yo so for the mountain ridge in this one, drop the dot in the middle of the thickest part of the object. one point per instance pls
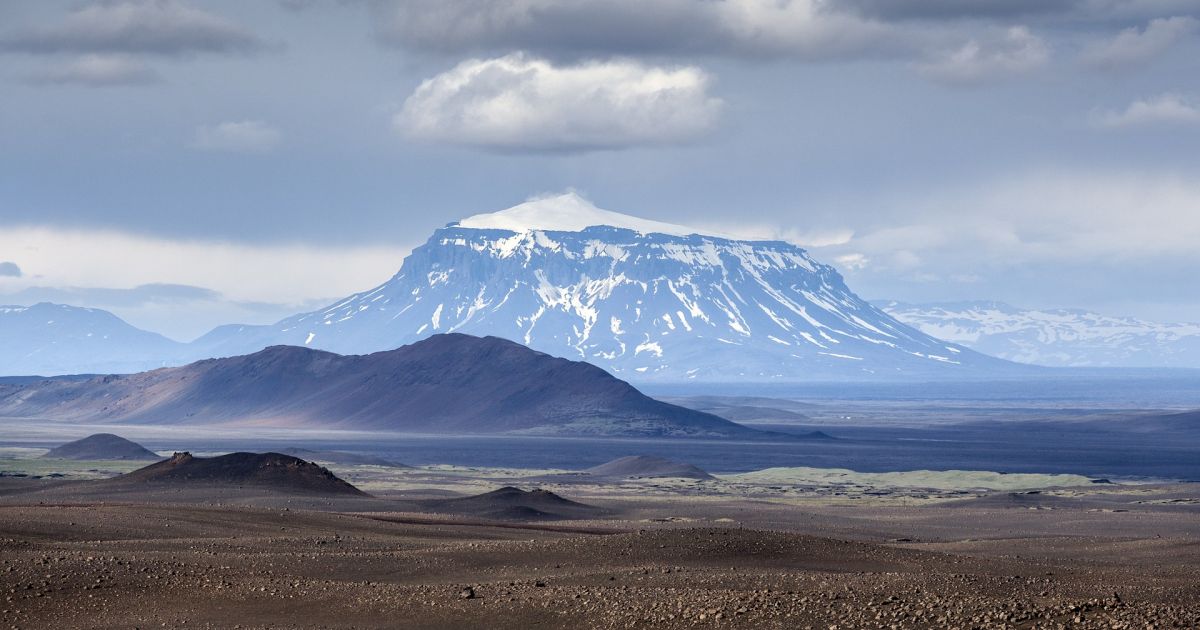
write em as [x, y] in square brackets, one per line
[1062, 337]
[446, 384]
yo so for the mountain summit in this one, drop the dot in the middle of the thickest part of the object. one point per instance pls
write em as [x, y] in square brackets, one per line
[643, 299]
[567, 212]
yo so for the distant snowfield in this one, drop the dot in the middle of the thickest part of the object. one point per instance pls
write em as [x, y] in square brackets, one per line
[1056, 337]
[568, 212]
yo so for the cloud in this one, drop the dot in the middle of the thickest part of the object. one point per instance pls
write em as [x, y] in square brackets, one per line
[522, 103]
[247, 136]
[240, 278]
[104, 297]
[162, 27]
[9, 270]
[1017, 51]
[1167, 109]
[960, 9]
[1134, 47]
[853, 261]
[98, 71]
[807, 29]
[1070, 12]
[297, 5]
[1050, 218]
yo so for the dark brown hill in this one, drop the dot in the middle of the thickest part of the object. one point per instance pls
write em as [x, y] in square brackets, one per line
[273, 471]
[509, 503]
[101, 446]
[446, 384]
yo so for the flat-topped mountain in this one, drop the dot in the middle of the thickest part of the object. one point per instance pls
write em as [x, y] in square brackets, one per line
[446, 384]
[649, 467]
[268, 470]
[647, 301]
[101, 446]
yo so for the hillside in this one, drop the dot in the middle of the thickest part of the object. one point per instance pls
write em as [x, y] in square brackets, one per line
[54, 339]
[446, 384]
[267, 470]
[101, 446]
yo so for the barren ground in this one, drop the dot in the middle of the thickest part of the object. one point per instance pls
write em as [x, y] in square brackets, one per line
[673, 556]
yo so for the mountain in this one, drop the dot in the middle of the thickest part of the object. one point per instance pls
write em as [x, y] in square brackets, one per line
[1056, 337]
[269, 470]
[446, 384]
[101, 446]
[54, 339]
[647, 301]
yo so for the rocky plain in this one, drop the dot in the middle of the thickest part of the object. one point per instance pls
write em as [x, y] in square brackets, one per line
[446, 547]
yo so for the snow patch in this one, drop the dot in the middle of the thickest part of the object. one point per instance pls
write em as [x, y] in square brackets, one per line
[567, 212]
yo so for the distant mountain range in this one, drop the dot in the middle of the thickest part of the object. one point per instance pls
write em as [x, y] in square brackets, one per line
[1055, 337]
[650, 302]
[60, 339]
[445, 384]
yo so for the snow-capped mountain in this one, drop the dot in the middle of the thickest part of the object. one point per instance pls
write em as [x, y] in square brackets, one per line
[1058, 337]
[51, 339]
[643, 299]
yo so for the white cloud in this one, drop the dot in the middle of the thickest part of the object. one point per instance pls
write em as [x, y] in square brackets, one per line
[98, 71]
[1017, 51]
[165, 27]
[522, 103]
[1167, 109]
[853, 261]
[242, 274]
[247, 136]
[807, 29]
[816, 237]
[1133, 46]
[1100, 218]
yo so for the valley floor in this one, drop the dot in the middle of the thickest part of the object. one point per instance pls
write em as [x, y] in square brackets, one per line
[1099, 557]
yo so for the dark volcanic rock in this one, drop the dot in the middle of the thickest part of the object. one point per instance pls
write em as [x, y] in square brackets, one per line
[269, 470]
[646, 466]
[449, 384]
[101, 446]
[514, 504]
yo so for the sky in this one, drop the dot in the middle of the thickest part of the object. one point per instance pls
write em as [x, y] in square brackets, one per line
[186, 164]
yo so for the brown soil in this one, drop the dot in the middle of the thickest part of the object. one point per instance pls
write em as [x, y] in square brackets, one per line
[94, 564]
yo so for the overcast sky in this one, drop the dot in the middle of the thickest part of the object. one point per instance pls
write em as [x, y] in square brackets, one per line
[186, 164]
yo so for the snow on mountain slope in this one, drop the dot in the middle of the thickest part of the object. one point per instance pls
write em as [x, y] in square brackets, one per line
[645, 300]
[1058, 337]
[566, 213]
[51, 339]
